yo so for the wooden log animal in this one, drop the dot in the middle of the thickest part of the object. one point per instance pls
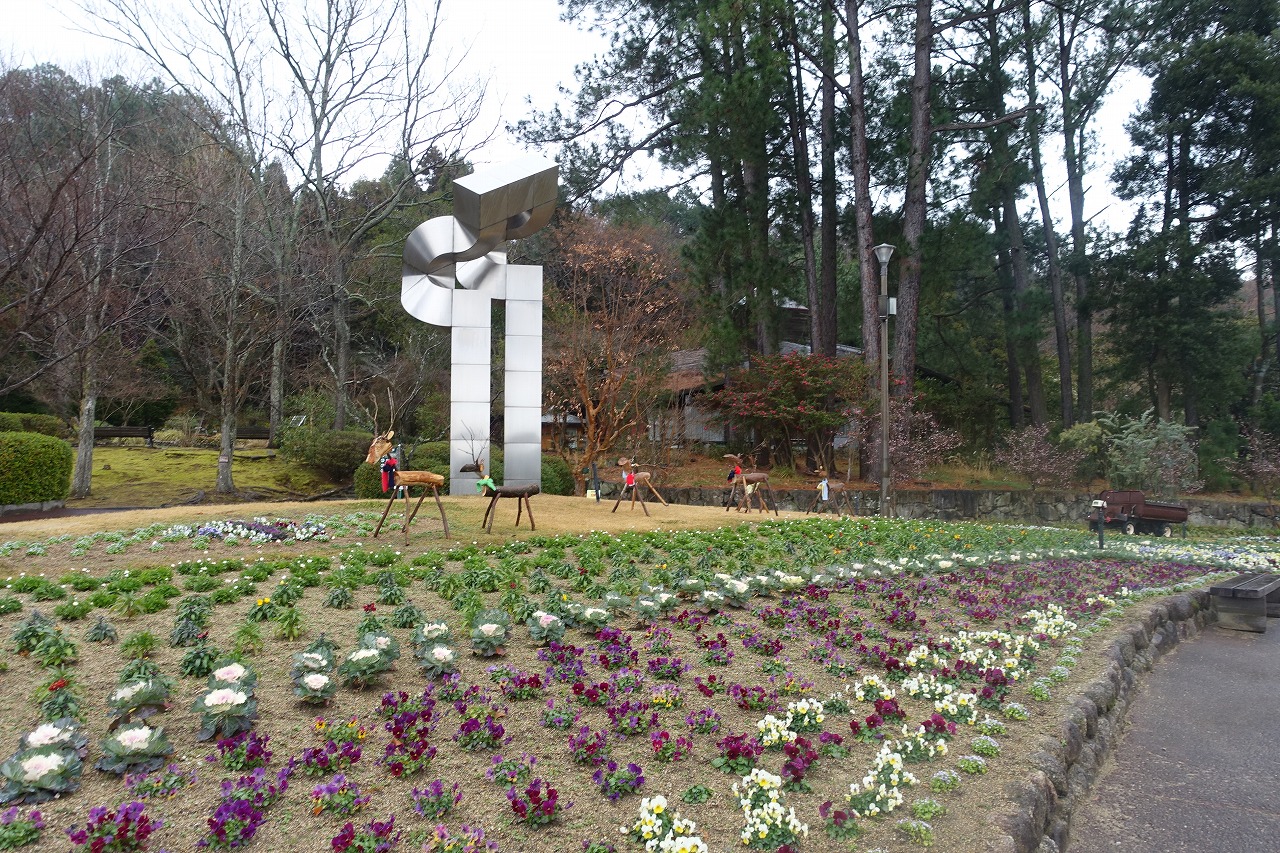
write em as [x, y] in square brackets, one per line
[754, 485]
[633, 482]
[381, 447]
[834, 493]
[495, 493]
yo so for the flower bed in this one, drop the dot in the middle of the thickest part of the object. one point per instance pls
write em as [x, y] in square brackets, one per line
[838, 622]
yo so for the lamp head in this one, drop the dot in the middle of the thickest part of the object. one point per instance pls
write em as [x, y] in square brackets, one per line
[883, 252]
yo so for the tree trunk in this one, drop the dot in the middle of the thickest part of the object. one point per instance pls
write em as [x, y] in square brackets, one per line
[829, 189]
[819, 311]
[230, 384]
[1078, 264]
[1025, 333]
[914, 206]
[1013, 368]
[1061, 337]
[861, 167]
[82, 478]
[341, 356]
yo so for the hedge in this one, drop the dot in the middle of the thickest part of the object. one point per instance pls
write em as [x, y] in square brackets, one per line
[30, 422]
[34, 468]
[335, 453]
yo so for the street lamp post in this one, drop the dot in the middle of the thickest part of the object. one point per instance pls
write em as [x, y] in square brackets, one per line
[884, 252]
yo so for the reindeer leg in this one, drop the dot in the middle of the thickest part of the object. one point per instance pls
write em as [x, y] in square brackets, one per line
[659, 494]
[408, 517]
[440, 507]
[773, 497]
[621, 495]
[417, 506]
[636, 493]
[733, 490]
[519, 509]
[529, 509]
[491, 513]
[378, 529]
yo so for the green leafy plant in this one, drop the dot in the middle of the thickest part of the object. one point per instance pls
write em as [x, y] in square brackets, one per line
[140, 644]
[289, 624]
[101, 631]
[247, 639]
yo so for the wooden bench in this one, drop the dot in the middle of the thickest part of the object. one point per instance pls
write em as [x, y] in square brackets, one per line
[125, 432]
[1245, 601]
[253, 433]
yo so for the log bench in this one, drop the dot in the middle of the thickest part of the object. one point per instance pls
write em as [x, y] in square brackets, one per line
[253, 433]
[125, 432]
[1245, 601]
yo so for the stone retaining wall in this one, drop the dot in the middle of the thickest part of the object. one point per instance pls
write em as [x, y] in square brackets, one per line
[36, 507]
[1037, 818]
[976, 505]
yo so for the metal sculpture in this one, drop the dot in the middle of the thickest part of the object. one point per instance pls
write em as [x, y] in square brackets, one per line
[452, 273]
[831, 492]
[632, 482]
[394, 478]
[753, 484]
[494, 493]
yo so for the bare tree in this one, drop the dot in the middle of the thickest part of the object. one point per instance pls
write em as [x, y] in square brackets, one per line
[613, 312]
[322, 91]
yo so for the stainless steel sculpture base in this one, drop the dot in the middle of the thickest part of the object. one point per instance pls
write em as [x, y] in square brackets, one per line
[453, 273]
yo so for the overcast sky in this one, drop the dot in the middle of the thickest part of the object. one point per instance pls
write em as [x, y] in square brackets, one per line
[525, 51]
[522, 46]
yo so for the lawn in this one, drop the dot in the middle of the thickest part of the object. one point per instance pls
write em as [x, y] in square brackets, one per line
[689, 639]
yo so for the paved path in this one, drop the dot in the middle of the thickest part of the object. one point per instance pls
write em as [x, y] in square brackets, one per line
[1198, 767]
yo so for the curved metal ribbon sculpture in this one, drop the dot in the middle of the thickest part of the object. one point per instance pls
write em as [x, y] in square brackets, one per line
[453, 271]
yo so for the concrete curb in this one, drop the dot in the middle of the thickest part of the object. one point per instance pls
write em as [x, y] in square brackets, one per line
[1037, 817]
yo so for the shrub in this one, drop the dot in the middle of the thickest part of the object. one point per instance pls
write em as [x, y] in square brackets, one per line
[557, 479]
[29, 422]
[33, 468]
[338, 453]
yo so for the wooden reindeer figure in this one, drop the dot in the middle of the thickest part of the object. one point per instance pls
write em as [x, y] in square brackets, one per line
[381, 447]
[494, 492]
[753, 484]
[832, 492]
[633, 481]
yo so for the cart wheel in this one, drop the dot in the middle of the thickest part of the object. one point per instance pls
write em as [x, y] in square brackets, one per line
[1129, 529]
[1166, 530]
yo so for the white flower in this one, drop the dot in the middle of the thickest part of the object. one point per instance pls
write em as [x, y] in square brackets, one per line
[546, 620]
[134, 738]
[38, 765]
[315, 681]
[314, 660]
[442, 654]
[232, 672]
[124, 694]
[382, 642]
[46, 734]
[490, 629]
[362, 654]
[224, 698]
